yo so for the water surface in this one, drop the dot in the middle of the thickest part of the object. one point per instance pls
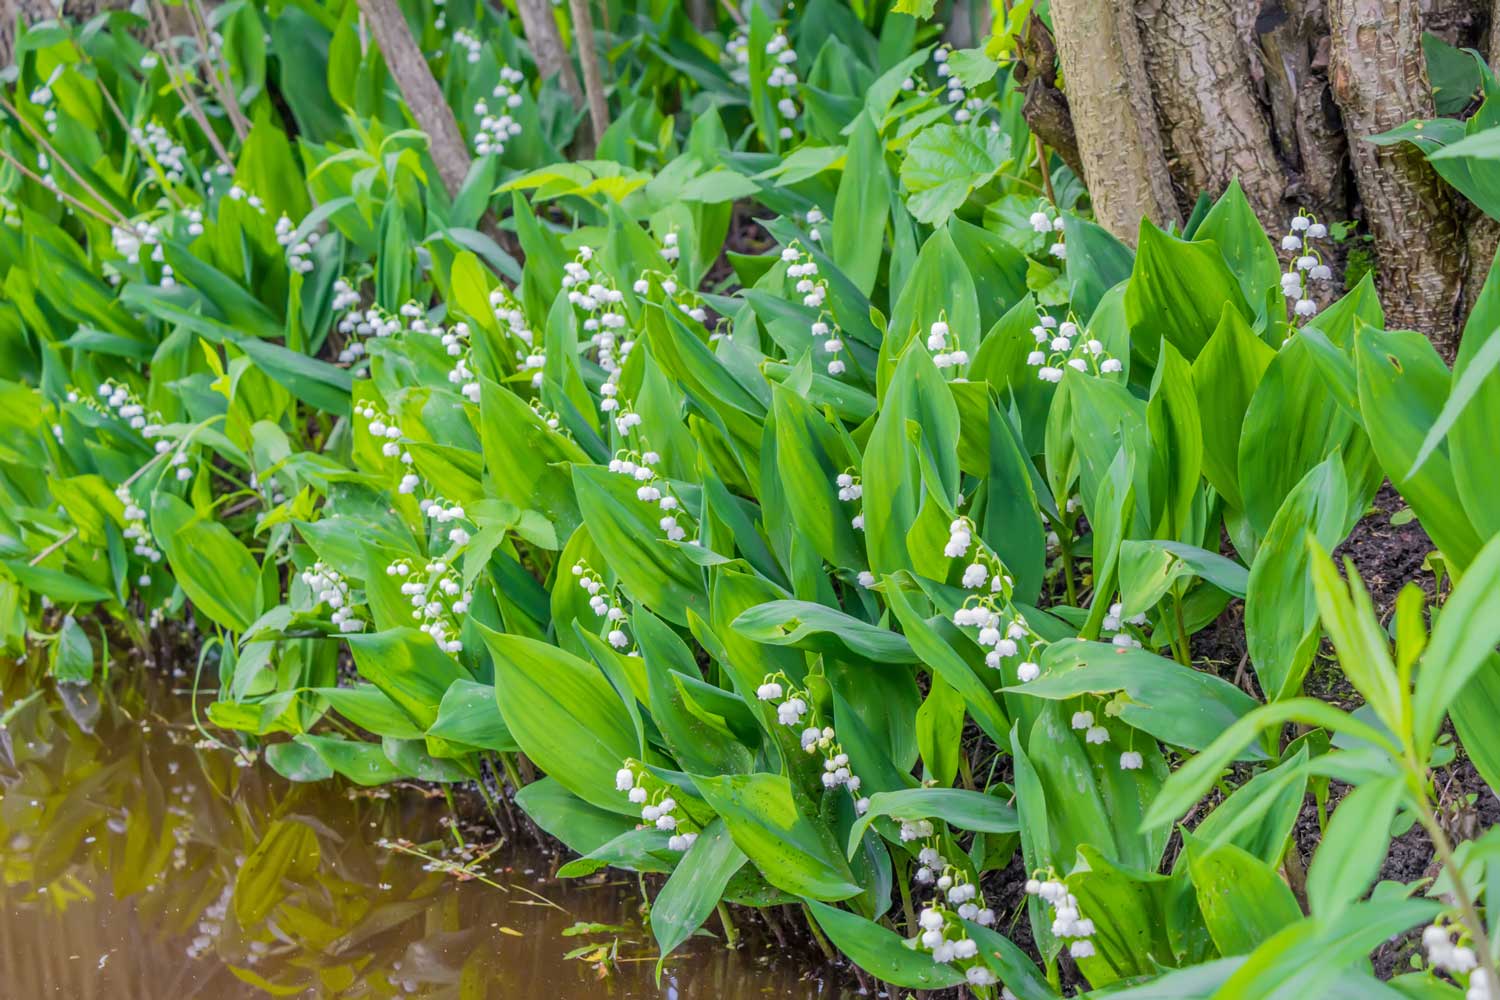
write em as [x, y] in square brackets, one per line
[138, 860]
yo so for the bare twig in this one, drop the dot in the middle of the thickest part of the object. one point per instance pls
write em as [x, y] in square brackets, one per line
[54, 157]
[178, 78]
[218, 72]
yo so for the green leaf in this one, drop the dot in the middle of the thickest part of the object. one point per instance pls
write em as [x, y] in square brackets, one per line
[805, 625]
[71, 656]
[564, 715]
[882, 953]
[655, 572]
[696, 885]
[470, 717]
[1402, 386]
[944, 661]
[792, 851]
[1178, 290]
[962, 809]
[944, 164]
[1242, 898]
[1463, 641]
[1353, 847]
[811, 456]
[861, 209]
[214, 569]
[1233, 226]
[1225, 376]
[1175, 704]
[1281, 616]
[407, 665]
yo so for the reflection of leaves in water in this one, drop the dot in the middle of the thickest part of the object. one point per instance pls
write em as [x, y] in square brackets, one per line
[207, 851]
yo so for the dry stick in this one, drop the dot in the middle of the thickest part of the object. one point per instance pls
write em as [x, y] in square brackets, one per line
[54, 157]
[61, 195]
[130, 133]
[1041, 159]
[423, 95]
[218, 72]
[734, 12]
[178, 77]
[593, 83]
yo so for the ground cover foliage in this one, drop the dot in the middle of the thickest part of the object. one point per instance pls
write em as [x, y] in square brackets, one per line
[786, 485]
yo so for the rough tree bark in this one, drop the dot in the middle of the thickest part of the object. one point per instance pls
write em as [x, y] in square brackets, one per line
[1213, 123]
[1282, 94]
[1118, 141]
[420, 89]
[1046, 107]
[1380, 80]
[540, 25]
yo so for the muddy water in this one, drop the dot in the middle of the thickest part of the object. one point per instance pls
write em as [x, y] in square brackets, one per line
[136, 862]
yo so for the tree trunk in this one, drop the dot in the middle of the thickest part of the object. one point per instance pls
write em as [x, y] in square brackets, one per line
[1307, 131]
[1379, 78]
[540, 25]
[1118, 142]
[1282, 94]
[593, 83]
[1212, 122]
[423, 95]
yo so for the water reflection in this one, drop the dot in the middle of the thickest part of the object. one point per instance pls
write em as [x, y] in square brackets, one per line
[135, 862]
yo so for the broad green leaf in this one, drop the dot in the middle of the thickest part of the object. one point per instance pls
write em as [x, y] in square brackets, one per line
[1178, 290]
[962, 809]
[1354, 845]
[407, 665]
[793, 851]
[1281, 616]
[1175, 704]
[214, 569]
[696, 885]
[882, 953]
[1242, 898]
[565, 717]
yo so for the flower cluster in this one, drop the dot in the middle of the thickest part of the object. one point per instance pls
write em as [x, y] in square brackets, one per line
[783, 80]
[651, 488]
[473, 47]
[658, 808]
[169, 154]
[496, 129]
[966, 106]
[1114, 622]
[136, 531]
[851, 490]
[329, 587]
[602, 600]
[1002, 630]
[382, 429]
[43, 98]
[453, 514]
[437, 597]
[1041, 222]
[1062, 347]
[1307, 263]
[944, 347]
[298, 251]
[815, 218]
[940, 928]
[1067, 921]
[603, 309]
[792, 708]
